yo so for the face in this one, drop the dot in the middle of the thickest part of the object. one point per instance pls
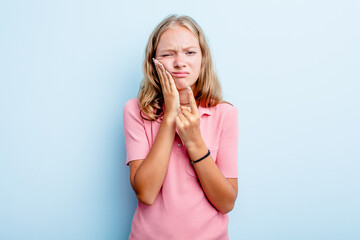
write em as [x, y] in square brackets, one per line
[180, 53]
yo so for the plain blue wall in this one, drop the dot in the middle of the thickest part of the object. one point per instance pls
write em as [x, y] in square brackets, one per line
[68, 67]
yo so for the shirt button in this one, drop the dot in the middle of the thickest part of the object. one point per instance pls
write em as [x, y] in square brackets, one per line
[179, 145]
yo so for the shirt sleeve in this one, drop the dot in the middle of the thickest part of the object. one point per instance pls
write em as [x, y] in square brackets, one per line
[136, 140]
[227, 155]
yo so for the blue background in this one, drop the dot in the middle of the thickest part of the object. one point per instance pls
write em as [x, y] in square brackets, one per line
[68, 67]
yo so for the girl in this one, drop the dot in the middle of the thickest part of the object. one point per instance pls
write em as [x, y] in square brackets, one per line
[181, 139]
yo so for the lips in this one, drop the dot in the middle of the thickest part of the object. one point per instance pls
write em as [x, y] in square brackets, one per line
[180, 74]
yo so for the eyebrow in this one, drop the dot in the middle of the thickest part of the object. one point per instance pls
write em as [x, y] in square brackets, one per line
[170, 49]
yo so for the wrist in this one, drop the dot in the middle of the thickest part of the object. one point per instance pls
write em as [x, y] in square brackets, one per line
[168, 121]
[202, 158]
[170, 115]
[196, 150]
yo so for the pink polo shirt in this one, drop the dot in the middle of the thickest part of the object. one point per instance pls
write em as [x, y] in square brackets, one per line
[181, 209]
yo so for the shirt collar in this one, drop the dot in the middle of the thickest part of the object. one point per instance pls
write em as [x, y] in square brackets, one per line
[204, 111]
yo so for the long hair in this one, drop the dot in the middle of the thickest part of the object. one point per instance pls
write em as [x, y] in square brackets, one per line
[207, 91]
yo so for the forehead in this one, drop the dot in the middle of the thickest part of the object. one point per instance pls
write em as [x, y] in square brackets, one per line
[177, 37]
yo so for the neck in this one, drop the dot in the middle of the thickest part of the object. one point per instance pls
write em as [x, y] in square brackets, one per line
[184, 97]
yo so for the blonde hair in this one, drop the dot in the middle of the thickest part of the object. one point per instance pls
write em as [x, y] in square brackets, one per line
[207, 89]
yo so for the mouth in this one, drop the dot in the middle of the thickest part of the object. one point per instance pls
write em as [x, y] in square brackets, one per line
[180, 74]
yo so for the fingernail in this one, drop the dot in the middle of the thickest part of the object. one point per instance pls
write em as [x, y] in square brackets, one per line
[153, 60]
[189, 88]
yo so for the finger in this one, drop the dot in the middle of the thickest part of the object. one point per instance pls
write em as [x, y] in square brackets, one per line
[182, 117]
[192, 101]
[161, 73]
[178, 122]
[171, 81]
[157, 67]
[165, 78]
[186, 113]
[168, 79]
[163, 70]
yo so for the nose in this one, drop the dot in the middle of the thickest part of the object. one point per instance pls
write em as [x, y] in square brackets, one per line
[179, 61]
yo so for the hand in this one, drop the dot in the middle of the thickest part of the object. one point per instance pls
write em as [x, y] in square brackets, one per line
[170, 93]
[188, 123]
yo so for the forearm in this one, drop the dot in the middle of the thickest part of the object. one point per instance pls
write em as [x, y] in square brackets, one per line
[150, 175]
[220, 191]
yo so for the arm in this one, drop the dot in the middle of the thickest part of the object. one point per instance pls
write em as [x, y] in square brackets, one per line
[220, 191]
[147, 175]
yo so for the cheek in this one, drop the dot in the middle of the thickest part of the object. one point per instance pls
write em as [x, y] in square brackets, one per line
[166, 63]
[197, 66]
